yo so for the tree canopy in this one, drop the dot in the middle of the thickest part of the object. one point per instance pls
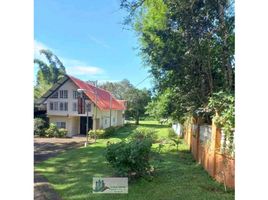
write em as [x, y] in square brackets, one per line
[137, 99]
[189, 47]
[48, 73]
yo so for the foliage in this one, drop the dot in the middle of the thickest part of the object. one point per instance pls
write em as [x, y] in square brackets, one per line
[142, 133]
[110, 131]
[102, 133]
[137, 99]
[160, 106]
[47, 74]
[62, 133]
[189, 47]
[95, 134]
[120, 89]
[39, 126]
[52, 130]
[130, 159]
[174, 138]
[222, 103]
[175, 168]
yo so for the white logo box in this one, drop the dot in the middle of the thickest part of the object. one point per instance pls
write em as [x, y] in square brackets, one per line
[110, 185]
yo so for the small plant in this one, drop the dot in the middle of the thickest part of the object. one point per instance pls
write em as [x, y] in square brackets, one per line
[174, 138]
[162, 143]
[39, 126]
[95, 134]
[52, 130]
[144, 133]
[130, 158]
[62, 132]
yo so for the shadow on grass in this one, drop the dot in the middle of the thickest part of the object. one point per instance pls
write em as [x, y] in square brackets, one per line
[176, 174]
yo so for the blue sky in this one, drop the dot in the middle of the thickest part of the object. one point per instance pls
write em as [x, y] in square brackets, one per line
[88, 37]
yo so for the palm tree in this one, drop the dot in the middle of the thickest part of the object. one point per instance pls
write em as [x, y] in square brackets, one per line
[47, 74]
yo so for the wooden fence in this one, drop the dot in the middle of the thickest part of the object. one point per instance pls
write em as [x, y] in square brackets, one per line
[205, 144]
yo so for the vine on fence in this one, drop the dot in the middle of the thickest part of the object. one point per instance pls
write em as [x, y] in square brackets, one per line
[222, 103]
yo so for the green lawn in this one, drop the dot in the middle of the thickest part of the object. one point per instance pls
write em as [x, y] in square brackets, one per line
[177, 174]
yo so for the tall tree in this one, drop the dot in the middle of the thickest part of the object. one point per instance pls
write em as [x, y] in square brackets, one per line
[119, 89]
[189, 46]
[137, 99]
[161, 106]
[48, 73]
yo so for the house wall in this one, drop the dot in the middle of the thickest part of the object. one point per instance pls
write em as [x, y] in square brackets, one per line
[75, 121]
[104, 118]
[72, 118]
[72, 123]
[120, 118]
[70, 86]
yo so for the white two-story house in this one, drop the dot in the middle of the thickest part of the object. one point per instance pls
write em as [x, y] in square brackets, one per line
[103, 110]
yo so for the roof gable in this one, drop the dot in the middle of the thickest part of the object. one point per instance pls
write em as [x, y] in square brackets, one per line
[99, 96]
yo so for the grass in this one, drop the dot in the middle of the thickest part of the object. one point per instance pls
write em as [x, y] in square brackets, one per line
[177, 174]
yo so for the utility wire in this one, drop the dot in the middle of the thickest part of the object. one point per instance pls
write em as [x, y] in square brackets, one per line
[142, 81]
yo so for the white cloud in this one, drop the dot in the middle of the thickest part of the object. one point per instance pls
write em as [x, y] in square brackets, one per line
[73, 66]
[85, 70]
[71, 62]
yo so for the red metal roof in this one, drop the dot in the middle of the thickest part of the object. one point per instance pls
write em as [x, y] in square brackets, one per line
[103, 96]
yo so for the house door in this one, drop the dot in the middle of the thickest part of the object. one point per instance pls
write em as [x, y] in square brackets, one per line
[83, 124]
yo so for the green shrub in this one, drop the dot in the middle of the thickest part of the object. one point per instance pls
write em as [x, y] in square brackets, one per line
[130, 158]
[52, 131]
[109, 131]
[92, 134]
[144, 133]
[39, 126]
[95, 134]
[62, 132]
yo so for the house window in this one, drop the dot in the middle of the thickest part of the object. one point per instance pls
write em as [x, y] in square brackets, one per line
[61, 106]
[61, 124]
[55, 95]
[55, 105]
[65, 106]
[89, 107]
[74, 107]
[51, 106]
[75, 94]
[113, 120]
[63, 94]
[105, 121]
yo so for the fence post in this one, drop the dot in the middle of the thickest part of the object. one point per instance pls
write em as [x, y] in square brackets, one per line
[198, 140]
[215, 144]
[189, 134]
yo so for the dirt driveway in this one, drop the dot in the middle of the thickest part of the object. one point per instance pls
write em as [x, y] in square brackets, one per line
[45, 148]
